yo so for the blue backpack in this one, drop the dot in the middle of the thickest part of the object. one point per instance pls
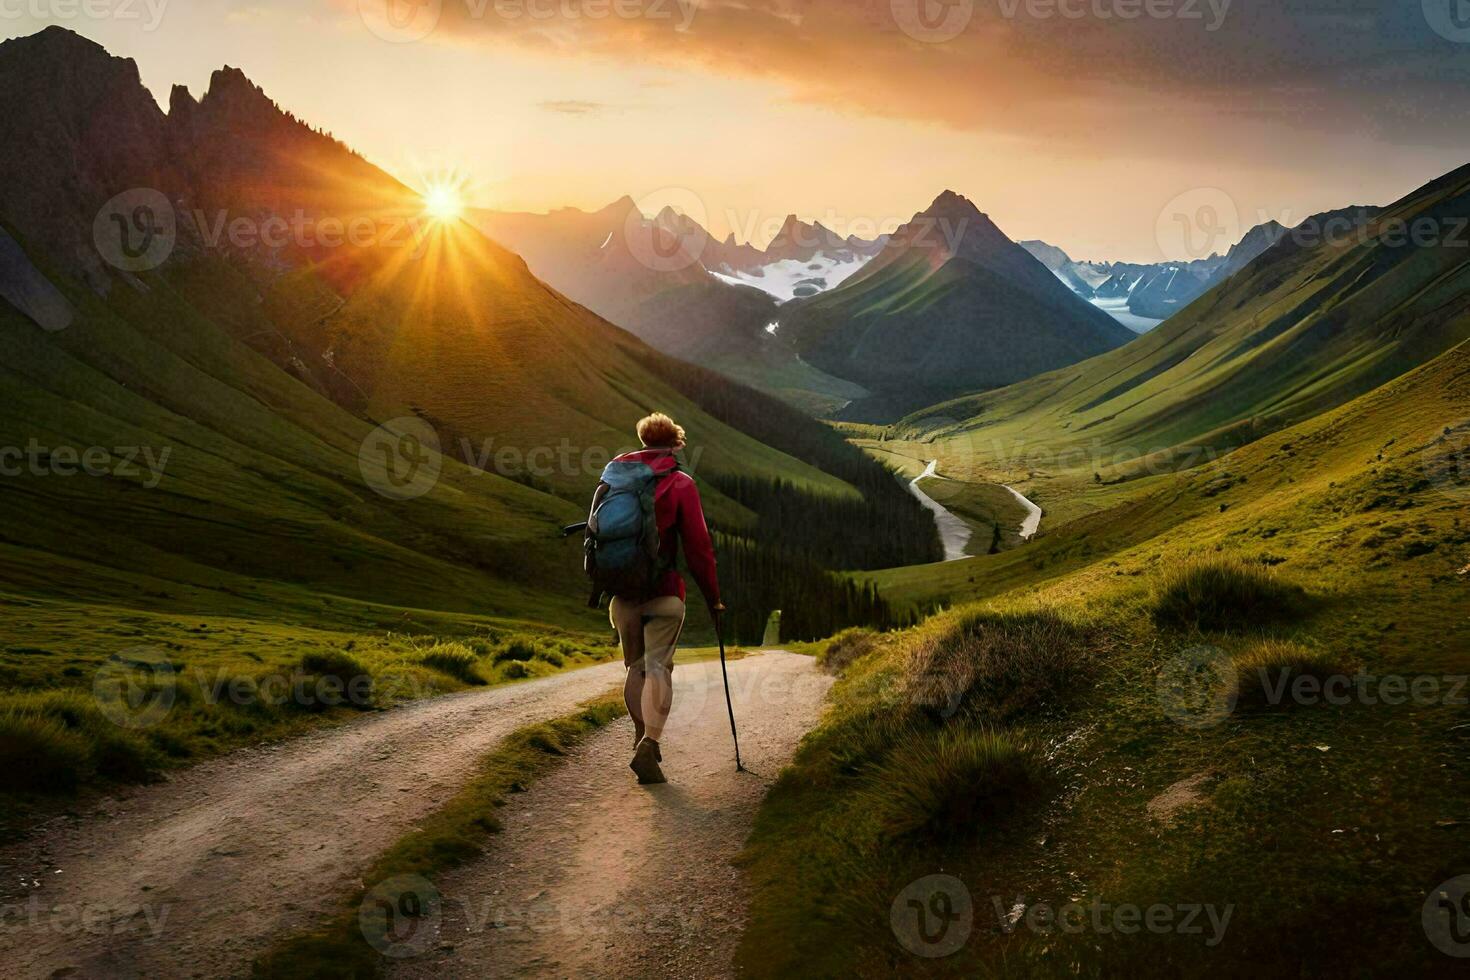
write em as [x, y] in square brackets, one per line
[622, 542]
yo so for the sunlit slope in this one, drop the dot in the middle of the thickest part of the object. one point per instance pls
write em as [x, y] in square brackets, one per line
[262, 487]
[1302, 329]
[1368, 500]
[466, 337]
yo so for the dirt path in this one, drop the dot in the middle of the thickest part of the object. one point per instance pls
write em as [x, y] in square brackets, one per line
[193, 877]
[595, 876]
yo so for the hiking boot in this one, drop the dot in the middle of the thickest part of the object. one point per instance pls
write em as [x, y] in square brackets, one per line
[645, 762]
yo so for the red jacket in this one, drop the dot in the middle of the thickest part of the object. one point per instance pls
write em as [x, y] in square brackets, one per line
[680, 515]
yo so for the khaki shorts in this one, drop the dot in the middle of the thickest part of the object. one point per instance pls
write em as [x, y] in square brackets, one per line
[649, 631]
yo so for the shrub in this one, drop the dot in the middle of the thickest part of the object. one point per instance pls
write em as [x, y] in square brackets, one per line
[1000, 665]
[953, 785]
[847, 646]
[515, 670]
[51, 741]
[517, 648]
[39, 754]
[329, 678]
[454, 659]
[1266, 670]
[1220, 594]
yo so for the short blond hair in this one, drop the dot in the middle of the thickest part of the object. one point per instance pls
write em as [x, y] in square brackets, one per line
[658, 431]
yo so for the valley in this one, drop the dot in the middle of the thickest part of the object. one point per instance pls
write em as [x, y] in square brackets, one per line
[1049, 589]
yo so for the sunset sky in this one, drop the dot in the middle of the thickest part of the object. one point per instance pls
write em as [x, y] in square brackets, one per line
[1066, 120]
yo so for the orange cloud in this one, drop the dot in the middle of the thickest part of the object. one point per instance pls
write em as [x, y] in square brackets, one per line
[1179, 76]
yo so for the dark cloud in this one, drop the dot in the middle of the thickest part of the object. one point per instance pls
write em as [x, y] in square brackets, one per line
[1065, 70]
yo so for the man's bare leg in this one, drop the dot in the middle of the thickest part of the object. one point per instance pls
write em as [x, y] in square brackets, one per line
[628, 621]
[633, 698]
[658, 700]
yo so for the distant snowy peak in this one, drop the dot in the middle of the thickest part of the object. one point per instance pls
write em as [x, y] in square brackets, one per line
[788, 279]
[1143, 293]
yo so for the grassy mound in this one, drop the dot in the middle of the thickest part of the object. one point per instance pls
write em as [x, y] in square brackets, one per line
[1000, 665]
[1224, 594]
[1267, 670]
[937, 790]
[332, 678]
[55, 741]
[456, 660]
[846, 647]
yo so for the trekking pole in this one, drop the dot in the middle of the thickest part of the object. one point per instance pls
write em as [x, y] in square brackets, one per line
[720, 635]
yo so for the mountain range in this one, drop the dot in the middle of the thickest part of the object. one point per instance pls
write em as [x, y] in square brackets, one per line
[1141, 294]
[949, 305]
[687, 293]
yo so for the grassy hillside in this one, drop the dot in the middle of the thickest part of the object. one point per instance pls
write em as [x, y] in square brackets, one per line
[1314, 322]
[1090, 725]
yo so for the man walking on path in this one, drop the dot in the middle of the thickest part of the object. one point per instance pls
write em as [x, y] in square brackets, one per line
[649, 630]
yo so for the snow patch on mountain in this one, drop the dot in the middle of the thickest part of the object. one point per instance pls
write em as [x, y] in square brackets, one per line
[790, 279]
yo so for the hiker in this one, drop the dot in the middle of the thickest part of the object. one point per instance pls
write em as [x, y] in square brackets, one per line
[647, 609]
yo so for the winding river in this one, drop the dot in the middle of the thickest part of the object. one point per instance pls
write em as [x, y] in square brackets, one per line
[954, 533]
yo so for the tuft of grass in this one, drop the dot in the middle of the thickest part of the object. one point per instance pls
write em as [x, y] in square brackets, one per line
[330, 678]
[518, 649]
[847, 646]
[53, 741]
[454, 659]
[1224, 594]
[452, 835]
[40, 755]
[952, 787]
[1267, 669]
[1001, 666]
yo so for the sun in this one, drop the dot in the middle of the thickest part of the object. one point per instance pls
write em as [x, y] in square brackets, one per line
[443, 203]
